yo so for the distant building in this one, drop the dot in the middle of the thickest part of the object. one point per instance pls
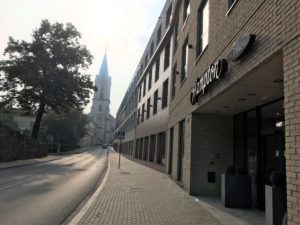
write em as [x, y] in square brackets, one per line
[100, 112]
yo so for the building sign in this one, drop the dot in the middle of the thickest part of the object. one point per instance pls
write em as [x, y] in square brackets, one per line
[242, 46]
[214, 72]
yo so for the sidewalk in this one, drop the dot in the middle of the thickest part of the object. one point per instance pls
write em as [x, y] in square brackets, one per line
[139, 195]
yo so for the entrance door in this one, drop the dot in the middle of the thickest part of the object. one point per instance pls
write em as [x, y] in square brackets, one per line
[180, 150]
[271, 159]
[171, 151]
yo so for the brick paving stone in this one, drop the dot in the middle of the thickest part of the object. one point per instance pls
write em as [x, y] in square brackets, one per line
[139, 195]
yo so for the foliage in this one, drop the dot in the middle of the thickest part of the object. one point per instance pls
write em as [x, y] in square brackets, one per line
[65, 128]
[7, 119]
[46, 73]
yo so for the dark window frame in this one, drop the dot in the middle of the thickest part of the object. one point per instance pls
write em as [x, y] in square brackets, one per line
[200, 47]
[148, 107]
[157, 68]
[174, 74]
[165, 93]
[184, 60]
[167, 55]
[155, 101]
[150, 79]
[186, 9]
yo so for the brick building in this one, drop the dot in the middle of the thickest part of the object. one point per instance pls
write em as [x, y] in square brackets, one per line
[234, 96]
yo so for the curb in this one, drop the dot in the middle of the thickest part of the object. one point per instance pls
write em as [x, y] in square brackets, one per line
[92, 199]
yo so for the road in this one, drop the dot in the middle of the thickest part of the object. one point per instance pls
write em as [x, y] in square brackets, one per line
[46, 193]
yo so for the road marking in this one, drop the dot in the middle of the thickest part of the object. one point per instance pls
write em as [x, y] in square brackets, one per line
[85, 208]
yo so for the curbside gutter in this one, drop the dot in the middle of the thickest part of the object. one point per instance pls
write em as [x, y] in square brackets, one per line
[87, 205]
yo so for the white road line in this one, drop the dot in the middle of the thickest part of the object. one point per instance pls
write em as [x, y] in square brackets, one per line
[85, 208]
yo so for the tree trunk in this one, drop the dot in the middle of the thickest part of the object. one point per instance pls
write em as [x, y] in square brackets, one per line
[38, 119]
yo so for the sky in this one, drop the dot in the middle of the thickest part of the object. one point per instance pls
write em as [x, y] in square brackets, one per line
[123, 27]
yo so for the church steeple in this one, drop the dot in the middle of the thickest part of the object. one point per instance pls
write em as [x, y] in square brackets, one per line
[104, 67]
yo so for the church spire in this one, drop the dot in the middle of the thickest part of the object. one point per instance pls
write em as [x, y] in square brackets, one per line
[104, 67]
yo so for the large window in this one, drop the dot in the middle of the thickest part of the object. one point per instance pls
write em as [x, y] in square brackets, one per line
[203, 27]
[148, 107]
[138, 116]
[157, 69]
[158, 34]
[155, 102]
[143, 113]
[174, 73]
[167, 56]
[165, 94]
[140, 93]
[150, 79]
[187, 9]
[230, 3]
[168, 15]
[184, 60]
[176, 36]
[144, 88]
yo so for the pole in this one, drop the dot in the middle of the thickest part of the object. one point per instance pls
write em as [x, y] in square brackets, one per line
[120, 154]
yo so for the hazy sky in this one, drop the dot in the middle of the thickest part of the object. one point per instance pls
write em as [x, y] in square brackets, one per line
[124, 26]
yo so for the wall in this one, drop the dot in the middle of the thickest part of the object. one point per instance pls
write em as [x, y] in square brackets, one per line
[14, 146]
[211, 151]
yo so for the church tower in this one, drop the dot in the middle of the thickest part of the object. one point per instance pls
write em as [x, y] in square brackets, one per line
[100, 108]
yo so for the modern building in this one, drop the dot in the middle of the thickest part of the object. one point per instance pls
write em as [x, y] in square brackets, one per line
[100, 112]
[143, 114]
[234, 100]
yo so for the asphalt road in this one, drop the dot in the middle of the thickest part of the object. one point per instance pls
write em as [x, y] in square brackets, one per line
[46, 193]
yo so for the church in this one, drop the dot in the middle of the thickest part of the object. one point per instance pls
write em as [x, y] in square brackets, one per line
[100, 112]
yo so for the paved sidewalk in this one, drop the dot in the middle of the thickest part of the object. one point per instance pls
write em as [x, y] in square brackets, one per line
[139, 195]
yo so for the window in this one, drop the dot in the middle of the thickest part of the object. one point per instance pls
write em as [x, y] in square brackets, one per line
[176, 36]
[231, 3]
[187, 9]
[184, 60]
[100, 108]
[146, 59]
[101, 95]
[158, 34]
[151, 49]
[144, 88]
[140, 93]
[167, 56]
[157, 69]
[168, 15]
[165, 94]
[150, 79]
[174, 73]
[155, 102]
[138, 116]
[148, 107]
[203, 27]
[143, 112]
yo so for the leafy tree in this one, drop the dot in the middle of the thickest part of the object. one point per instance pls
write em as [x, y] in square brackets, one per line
[66, 128]
[46, 73]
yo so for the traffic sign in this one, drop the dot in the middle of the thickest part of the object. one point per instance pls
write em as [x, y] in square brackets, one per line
[120, 135]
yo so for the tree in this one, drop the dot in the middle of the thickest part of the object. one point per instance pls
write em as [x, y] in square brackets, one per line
[46, 73]
[66, 128]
